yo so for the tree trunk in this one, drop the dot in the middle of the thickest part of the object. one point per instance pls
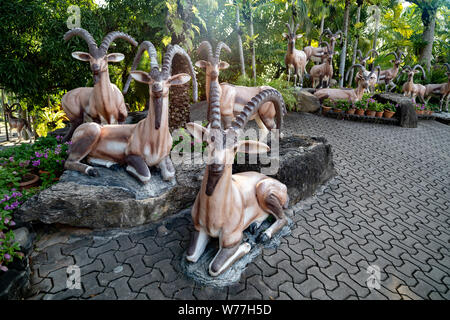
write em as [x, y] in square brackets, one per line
[344, 46]
[355, 45]
[322, 22]
[241, 51]
[377, 25]
[252, 43]
[429, 23]
[4, 115]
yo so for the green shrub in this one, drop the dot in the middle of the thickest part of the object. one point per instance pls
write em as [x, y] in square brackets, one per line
[390, 107]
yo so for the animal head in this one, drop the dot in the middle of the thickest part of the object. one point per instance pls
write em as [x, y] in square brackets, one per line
[363, 77]
[224, 144]
[291, 36]
[10, 109]
[332, 36]
[412, 71]
[328, 55]
[363, 59]
[212, 64]
[159, 80]
[98, 57]
[398, 57]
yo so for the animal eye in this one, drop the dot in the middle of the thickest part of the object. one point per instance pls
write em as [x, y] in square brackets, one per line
[213, 139]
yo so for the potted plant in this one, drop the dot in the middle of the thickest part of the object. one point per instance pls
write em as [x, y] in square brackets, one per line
[389, 110]
[429, 109]
[420, 108]
[339, 106]
[327, 106]
[371, 107]
[360, 107]
[379, 108]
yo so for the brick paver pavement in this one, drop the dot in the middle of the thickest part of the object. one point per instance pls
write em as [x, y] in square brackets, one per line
[388, 207]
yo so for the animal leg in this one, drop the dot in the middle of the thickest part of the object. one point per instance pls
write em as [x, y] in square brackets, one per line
[137, 167]
[167, 169]
[262, 127]
[199, 241]
[74, 124]
[225, 257]
[392, 85]
[289, 74]
[276, 209]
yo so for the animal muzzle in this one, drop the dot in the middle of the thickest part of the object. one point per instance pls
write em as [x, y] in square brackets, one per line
[158, 105]
[96, 73]
[215, 172]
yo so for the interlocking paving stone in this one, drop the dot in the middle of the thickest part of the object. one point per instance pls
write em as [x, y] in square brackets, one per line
[389, 206]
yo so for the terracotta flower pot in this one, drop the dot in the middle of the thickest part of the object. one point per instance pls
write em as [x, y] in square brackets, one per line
[325, 109]
[350, 111]
[419, 112]
[388, 114]
[370, 113]
[29, 180]
[360, 112]
[429, 112]
[337, 110]
[379, 114]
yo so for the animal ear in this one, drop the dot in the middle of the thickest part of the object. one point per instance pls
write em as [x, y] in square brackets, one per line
[298, 36]
[141, 76]
[197, 131]
[252, 147]
[201, 64]
[284, 34]
[223, 65]
[179, 79]
[82, 56]
[115, 57]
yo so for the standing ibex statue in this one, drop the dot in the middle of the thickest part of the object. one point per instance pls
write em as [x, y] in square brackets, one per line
[332, 36]
[229, 203]
[17, 123]
[363, 61]
[294, 58]
[142, 145]
[324, 71]
[387, 76]
[104, 102]
[441, 89]
[411, 89]
[232, 98]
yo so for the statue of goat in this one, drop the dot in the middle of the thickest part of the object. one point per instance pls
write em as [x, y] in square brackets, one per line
[411, 89]
[294, 58]
[17, 123]
[387, 76]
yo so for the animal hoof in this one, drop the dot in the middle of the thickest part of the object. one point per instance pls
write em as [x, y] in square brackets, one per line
[253, 227]
[92, 172]
[263, 238]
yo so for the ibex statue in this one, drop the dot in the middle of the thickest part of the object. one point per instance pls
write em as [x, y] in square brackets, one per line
[411, 89]
[387, 76]
[232, 98]
[294, 58]
[138, 146]
[332, 36]
[16, 123]
[441, 89]
[229, 203]
[363, 61]
[104, 102]
[351, 95]
[323, 72]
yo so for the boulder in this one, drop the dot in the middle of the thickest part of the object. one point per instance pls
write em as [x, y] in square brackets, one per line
[306, 102]
[115, 199]
[406, 112]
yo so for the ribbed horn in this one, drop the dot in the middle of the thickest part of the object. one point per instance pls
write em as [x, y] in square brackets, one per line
[289, 27]
[355, 65]
[268, 95]
[393, 53]
[86, 36]
[421, 68]
[146, 45]
[205, 47]
[219, 48]
[112, 36]
[167, 66]
[214, 117]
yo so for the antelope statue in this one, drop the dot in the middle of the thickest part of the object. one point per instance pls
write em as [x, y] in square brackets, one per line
[232, 98]
[333, 37]
[324, 71]
[104, 102]
[351, 95]
[442, 89]
[16, 123]
[138, 146]
[387, 76]
[411, 89]
[227, 203]
[294, 58]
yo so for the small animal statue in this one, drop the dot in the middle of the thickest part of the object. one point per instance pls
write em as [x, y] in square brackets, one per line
[333, 37]
[387, 76]
[323, 72]
[363, 61]
[138, 146]
[227, 203]
[411, 89]
[232, 98]
[17, 123]
[104, 102]
[294, 58]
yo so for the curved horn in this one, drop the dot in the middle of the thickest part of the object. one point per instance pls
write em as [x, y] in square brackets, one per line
[374, 51]
[328, 46]
[339, 32]
[327, 31]
[296, 28]
[82, 33]
[378, 73]
[219, 48]
[360, 55]
[16, 104]
[268, 95]
[289, 27]
[112, 36]
[205, 46]
[146, 45]
[167, 66]
[355, 65]
[393, 53]
[421, 68]
[406, 67]
[214, 106]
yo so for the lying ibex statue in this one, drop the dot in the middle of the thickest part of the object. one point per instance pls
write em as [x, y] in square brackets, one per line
[323, 72]
[142, 145]
[16, 123]
[232, 98]
[351, 95]
[294, 58]
[227, 203]
[387, 76]
[411, 89]
[104, 102]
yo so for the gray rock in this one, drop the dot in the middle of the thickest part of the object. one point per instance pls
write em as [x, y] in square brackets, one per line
[23, 238]
[306, 102]
[115, 199]
[406, 113]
